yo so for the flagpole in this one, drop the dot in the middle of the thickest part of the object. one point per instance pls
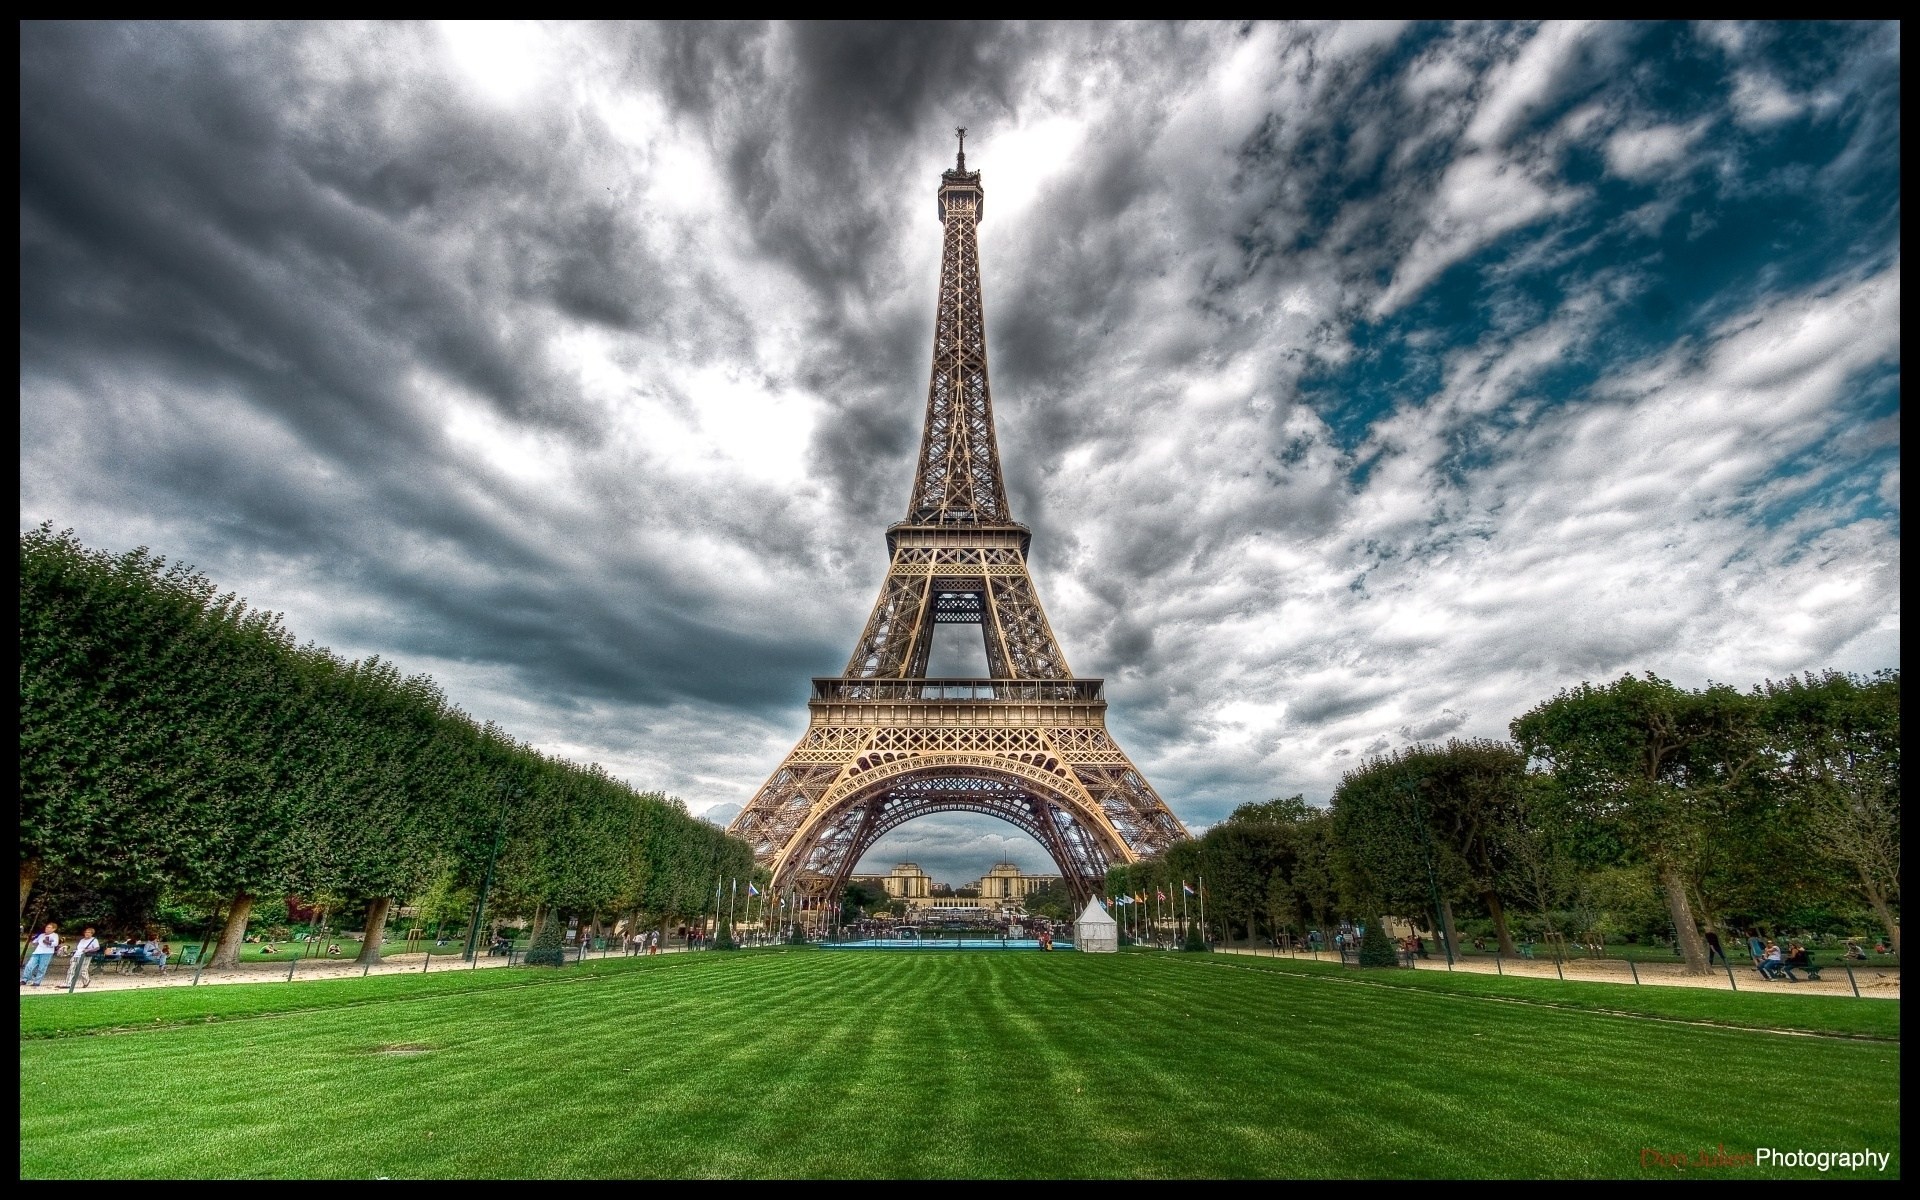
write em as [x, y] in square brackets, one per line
[1203, 910]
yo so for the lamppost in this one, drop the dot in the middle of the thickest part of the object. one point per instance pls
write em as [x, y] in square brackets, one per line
[507, 792]
[1417, 813]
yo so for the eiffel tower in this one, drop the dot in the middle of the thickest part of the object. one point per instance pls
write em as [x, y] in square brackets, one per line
[884, 743]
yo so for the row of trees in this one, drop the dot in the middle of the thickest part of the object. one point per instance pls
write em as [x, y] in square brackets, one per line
[177, 745]
[1710, 807]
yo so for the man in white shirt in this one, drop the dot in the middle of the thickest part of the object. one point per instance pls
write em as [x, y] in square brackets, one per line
[83, 951]
[45, 944]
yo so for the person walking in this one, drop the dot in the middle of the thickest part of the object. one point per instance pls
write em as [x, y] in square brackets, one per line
[41, 950]
[1714, 948]
[81, 971]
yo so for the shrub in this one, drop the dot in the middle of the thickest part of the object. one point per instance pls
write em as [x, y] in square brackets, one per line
[1376, 948]
[549, 945]
[1194, 941]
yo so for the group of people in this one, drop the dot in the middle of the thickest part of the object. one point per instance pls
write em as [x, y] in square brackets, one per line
[1774, 961]
[643, 942]
[85, 950]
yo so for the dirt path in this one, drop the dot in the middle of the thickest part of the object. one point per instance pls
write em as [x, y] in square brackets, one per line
[110, 979]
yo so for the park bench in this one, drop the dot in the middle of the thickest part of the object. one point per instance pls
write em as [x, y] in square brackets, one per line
[128, 962]
[1811, 967]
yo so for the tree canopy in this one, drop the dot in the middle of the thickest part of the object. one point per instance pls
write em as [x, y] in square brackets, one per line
[174, 740]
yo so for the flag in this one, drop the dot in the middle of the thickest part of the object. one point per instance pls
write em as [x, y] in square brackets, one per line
[1189, 891]
[1158, 894]
[1139, 899]
[752, 890]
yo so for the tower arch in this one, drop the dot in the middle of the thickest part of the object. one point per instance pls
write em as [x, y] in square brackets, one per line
[1049, 806]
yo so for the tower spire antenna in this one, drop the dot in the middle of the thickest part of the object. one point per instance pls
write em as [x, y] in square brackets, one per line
[962, 131]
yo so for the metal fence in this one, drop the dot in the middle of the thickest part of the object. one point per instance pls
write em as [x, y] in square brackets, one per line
[1864, 980]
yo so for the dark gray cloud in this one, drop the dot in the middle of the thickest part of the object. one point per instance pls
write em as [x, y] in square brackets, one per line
[1362, 384]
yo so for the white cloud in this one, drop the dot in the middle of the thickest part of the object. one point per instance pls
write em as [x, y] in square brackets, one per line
[1760, 101]
[1480, 198]
[1642, 154]
[1538, 75]
[502, 60]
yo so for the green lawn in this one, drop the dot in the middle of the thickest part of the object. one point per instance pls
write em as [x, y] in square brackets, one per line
[949, 1064]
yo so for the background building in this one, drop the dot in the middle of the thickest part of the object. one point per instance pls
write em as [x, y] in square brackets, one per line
[1007, 884]
[1000, 890]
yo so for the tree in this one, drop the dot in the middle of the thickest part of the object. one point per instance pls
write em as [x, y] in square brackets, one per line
[1052, 901]
[1838, 745]
[109, 660]
[860, 898]
[1536, 867]
[1658, 768]
[1316, 878]
[549, 943]
[1384, 820]
[1429, 817]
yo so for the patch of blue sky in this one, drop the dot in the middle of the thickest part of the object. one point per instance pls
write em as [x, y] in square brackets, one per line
[1675, 256]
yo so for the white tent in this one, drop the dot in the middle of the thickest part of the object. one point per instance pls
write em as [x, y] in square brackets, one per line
[1095, 932]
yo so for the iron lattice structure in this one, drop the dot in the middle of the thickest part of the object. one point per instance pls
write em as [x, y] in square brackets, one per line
[884, 743]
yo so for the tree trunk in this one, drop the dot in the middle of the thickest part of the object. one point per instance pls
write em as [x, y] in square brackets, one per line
[376, 930]
[1453, 940]
[1499, 915]
[29, 871]
[1885, 912]
[1686, 930]
[227, 953]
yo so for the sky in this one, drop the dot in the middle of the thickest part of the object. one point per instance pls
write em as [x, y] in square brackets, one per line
[1362, 384]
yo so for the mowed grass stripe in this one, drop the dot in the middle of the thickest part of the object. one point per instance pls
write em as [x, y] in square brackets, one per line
[1553, 1076]
[935, 1064]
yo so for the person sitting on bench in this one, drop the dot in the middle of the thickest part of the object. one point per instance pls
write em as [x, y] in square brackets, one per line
[1771, 961]
[1798, 959]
